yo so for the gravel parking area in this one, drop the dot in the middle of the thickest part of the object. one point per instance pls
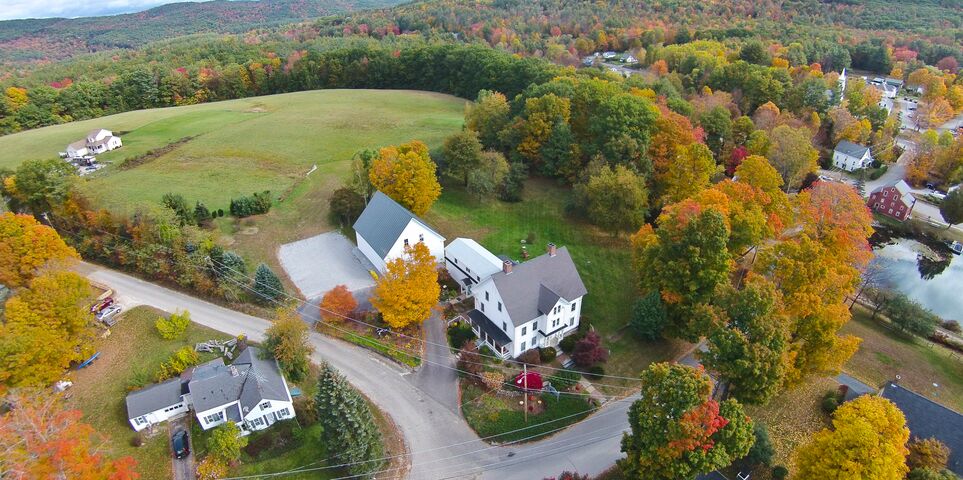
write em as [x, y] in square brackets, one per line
[322, 262]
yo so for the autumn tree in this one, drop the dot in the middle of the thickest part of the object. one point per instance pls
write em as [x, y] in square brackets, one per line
[226, 442]
[927, 453]
[868, 441]
[47, 326]
[688, 174]
[462, 152]
[792, 154]
[541, 116]
[615, 199]
[173, 326]
[407, 174]
[43, 441]
[684, 260]
[409, 288]
[25, 246]
[41, 184]
[755, 170]
[337, 303]
[749, 351]
[287, 341]
[488, 116]
[678, 431]
[490, 176]
[589, 350]
[673, 131]
[348, 428]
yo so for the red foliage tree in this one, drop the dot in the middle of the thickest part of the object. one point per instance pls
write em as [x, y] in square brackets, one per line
[735, 159]
[589, 351]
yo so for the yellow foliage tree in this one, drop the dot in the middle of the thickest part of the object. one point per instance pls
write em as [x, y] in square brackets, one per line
[407, 174]
[409, 288]
[26, 246]
[868, 442]
[47, 327]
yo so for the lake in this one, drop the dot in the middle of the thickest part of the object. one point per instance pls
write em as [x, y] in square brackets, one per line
[934, 278]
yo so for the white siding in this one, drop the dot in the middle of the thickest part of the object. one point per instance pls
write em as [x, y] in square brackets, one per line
[369, 252]
[221, 412]
[268, 412]
[490, 308]
[414, 233]
[159, 416]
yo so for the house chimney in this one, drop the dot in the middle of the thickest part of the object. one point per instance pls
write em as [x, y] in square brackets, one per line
[551, 249]
[507, 266]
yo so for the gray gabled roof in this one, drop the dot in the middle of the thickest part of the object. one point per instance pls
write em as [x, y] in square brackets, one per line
[851, 149]
[249, 379]
[928, 419]
[382, 222]
[154, 398]
[535, 286]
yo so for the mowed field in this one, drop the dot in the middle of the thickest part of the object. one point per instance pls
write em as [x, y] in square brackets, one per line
[239, 147]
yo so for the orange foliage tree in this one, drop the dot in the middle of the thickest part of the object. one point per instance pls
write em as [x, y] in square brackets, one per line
[407, 174]
[337, 303]
[42, 441]
[409, 288]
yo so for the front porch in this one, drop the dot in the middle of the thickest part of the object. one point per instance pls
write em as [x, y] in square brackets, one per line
[490, 335]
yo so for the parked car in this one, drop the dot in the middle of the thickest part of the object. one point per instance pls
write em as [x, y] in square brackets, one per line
[108, 314]
[99, 306]
[180, 444]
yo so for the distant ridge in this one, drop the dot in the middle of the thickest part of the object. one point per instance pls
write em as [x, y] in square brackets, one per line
[45, 39]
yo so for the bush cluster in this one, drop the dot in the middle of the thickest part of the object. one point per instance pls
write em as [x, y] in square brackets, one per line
[255, 204]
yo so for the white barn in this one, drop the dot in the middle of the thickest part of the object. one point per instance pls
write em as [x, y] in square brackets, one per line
[251, 392]
[528, 305]
[385, 228]
[850, 156]
[469, 263]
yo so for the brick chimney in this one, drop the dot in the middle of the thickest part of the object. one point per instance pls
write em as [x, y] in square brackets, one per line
[507, 266]
[551, 249]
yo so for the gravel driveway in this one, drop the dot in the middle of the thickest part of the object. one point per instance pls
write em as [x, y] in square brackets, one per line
[322, 262]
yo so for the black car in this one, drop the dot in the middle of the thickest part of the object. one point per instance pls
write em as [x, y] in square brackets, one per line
[181, 445]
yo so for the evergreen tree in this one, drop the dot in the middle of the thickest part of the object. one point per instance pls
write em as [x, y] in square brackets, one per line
[648, 316]
[348, 426]
[202, 215]
[267, 285]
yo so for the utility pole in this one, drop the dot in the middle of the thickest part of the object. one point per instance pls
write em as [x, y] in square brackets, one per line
[525, 383]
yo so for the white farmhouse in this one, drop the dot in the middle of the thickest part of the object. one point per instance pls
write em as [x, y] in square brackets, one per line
[469, 263]
[251, 392]
[528, 305]
[850, 156]
[97, 141]
[385, 228]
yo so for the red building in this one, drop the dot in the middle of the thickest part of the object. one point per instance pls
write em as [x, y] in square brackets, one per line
[893, 200]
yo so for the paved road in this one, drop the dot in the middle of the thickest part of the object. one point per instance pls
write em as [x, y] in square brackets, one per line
[440, 443]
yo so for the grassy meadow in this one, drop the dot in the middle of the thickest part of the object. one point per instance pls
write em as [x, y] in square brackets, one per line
[239, 147]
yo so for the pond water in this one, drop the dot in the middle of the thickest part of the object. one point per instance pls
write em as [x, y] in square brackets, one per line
[926, 273]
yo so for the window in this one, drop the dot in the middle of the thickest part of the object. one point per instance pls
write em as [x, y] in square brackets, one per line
[504, 326]
[284, 412]
[571, 321]
[483, 307]
[216, 417]
[265, 405]
[524, 331]
[523, 347]
[573, 306]
[486, 295]
[140, 420]
[534, 325]
[421, 237]
[890, 210]
[885, 193]
[456, 261]
[258, 421]
[499, 306]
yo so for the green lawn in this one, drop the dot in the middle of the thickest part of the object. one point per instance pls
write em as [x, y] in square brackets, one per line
[492, 415]
[604, 262]
[248, 145]
[924, 367]
[99, 391]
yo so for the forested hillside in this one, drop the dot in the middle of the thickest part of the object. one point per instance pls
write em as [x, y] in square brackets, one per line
[58, 38]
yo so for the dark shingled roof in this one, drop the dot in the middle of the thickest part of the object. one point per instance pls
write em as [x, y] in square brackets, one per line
[928, 419]
[214, 384]
[534, 286]
[486, 325]
[153, 398]
[382, 222]
[849, 148]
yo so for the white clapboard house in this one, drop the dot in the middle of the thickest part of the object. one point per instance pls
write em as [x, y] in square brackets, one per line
[251, 392]
[97, 142]
[385, 228]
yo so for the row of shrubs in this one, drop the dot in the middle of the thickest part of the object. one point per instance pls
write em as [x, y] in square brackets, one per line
[255, 204]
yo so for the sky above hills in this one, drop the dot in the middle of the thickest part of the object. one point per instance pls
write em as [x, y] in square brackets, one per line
[13, 9]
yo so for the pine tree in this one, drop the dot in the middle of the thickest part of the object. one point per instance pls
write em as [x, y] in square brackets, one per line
[267, 285]
[348, 426]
